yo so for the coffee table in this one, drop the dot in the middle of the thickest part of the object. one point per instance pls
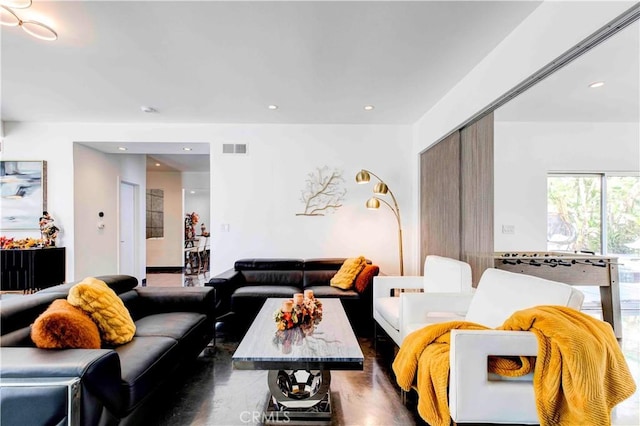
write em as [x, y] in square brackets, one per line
[299, 362]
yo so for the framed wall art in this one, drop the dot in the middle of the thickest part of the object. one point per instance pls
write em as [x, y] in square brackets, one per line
[23, 189]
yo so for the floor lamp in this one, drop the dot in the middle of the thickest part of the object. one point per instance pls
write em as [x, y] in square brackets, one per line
[373, 203]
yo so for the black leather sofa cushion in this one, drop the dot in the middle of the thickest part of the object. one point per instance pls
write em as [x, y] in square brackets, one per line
[275, 277]
[324, 264]
[268, 264]
[174, 324]
[99, 368]
[263, 292]
[19, 312]
[118, 283]
[145, 361]
[328, 291]
[318, 278]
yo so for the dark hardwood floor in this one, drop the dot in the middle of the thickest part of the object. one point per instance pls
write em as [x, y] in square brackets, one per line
[212, 392]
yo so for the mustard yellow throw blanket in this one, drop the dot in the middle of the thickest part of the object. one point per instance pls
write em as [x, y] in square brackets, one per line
[579, 374]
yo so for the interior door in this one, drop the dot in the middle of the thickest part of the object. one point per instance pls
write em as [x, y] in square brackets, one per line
[127, 225]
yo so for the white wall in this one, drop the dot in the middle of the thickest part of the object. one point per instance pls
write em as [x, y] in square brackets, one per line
[169, 250]
[257, 194]
[526, 151]
[97, 179]
[550, 30]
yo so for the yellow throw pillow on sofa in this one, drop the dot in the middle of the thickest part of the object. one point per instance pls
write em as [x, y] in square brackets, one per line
[105, 308]
[348, 272]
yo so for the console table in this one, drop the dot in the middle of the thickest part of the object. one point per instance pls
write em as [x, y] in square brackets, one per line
[573, 269]
[32, 269]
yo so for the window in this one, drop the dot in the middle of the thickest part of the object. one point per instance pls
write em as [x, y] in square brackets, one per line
[598, 213]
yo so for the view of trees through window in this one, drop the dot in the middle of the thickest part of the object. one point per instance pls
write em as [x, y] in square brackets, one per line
[597, 213]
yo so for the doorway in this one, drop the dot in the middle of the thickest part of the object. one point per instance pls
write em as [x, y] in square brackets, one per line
[127, 256]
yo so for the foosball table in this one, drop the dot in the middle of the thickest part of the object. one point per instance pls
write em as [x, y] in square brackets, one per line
[574, 269]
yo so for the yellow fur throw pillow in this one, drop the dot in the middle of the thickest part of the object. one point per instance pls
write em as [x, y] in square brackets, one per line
[63, 326]
[347, 273]
[105, 308]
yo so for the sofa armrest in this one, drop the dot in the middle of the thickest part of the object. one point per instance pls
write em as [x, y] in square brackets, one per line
[98, 369]
[228, 277]
[471, 392]
[382, 285]
[225, 284]
[154, 300]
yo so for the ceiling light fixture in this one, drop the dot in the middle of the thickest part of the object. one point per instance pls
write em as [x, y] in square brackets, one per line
[122, 148]
[16, 4]
[148, 109]
[157, 164]
[192, 192]
[187, 149]
[273, 107]
[369, 107]
[9, 18]
[596, 84]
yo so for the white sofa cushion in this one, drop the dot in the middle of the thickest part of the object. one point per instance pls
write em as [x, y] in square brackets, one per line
[389, 310]
[501, 293]
[445, 275]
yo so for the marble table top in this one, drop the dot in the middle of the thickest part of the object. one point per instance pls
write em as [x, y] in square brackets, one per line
[331, 346]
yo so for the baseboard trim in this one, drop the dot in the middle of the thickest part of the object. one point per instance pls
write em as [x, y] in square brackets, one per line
[164, 269]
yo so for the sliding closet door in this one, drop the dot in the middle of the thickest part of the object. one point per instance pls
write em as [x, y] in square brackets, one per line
[476, 173]
[440, 199]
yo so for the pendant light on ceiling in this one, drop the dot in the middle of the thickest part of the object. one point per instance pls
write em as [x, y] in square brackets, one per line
[9, 18]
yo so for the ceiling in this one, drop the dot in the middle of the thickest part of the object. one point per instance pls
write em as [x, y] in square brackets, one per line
[172, 157]
[565, 95]
[225, 62]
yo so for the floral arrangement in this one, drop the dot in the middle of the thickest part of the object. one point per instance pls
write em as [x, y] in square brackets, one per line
[303, 311]
[190, 221]
[11, 243]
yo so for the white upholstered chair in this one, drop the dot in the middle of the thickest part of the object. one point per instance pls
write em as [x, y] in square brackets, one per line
[475, 396]
[441, 275]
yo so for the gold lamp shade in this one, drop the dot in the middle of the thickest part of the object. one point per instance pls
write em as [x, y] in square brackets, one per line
[363, 177]
[380, 188]
[373, 203]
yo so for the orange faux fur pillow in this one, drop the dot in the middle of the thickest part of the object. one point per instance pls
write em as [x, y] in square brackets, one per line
[64, 326]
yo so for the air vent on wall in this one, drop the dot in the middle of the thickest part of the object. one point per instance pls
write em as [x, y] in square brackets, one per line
[238, 148]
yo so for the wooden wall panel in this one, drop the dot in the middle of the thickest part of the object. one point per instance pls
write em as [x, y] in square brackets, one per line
[476, 203]
[440, 199]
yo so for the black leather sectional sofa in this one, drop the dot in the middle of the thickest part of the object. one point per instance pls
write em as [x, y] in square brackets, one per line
[241, 291]
[118, 384]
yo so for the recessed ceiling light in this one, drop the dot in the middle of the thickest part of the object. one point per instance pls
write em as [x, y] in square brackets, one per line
[273, 107]
[368, 107]
[122, 148]
[186, 149]
[148, 109]
[157, 164]
[596, 84]
[192, 192]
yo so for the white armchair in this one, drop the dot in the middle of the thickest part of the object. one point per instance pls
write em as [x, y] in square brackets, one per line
[475, 396]
[399, 315]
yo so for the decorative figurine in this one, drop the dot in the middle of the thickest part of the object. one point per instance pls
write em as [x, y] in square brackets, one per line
[48, 230]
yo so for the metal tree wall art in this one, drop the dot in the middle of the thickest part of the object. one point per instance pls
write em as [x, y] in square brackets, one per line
[323, 192]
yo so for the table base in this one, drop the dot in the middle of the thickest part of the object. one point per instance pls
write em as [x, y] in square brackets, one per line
[299, 397]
